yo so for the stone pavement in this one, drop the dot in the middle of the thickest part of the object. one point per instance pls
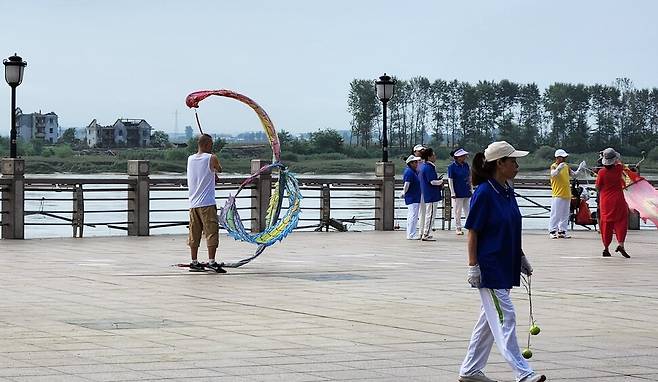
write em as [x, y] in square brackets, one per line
[367, 306]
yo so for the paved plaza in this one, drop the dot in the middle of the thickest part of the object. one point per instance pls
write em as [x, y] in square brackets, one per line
[366, 306]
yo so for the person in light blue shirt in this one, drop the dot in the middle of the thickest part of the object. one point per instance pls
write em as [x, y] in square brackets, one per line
[430, 186]
[496, 261]
[411, 195]
[459, 181]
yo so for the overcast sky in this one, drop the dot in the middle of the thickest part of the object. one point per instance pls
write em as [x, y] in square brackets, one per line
[139, 59]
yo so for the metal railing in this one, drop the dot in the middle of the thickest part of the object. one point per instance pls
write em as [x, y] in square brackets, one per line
[340, 203]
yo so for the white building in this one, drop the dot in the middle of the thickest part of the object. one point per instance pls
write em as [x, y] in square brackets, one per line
[37, 126]
[123, 133]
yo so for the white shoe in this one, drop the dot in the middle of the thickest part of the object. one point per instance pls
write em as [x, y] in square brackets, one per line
[534, 378]
[563, 235]
[459, 231]
[477, 377]
[427, 238]
[553, 235]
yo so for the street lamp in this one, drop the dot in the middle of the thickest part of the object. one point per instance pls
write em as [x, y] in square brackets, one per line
[14, 67]
[385, 87]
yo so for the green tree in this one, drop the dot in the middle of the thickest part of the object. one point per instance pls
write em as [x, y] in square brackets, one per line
[327, 141]
[364, 106]
[159, 139]
[68, 137]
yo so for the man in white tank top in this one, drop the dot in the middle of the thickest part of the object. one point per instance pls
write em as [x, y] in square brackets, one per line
[202, 169]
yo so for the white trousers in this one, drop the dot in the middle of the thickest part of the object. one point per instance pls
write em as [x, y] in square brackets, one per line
[497, 323]
[559, 215]
[412, 219]
[430, 215]
[421, 218]
[458, 205]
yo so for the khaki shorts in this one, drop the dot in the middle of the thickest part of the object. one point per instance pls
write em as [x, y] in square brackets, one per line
[203, 219]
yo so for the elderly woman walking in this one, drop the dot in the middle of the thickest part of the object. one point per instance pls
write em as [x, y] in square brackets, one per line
[459, 180]
[613, 210]
[496, 261]
[411, 194]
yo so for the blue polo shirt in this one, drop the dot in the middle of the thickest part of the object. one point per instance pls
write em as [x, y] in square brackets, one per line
[413, 193]
[496, 218]
[460, 175]
[426, 175]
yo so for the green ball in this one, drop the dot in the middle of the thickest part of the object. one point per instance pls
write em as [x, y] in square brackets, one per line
[527, 353]
[534, 330]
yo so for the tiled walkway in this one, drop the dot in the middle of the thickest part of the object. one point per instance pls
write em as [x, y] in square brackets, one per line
[320, 306]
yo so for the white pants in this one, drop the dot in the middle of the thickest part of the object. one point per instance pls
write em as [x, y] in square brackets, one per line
[412, 219]
[559, 215]
[458, 205]
[430, 215]
[421, 218]
[497, 323]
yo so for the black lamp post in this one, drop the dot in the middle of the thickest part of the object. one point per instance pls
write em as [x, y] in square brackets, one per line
[14, 67]
[385, 87]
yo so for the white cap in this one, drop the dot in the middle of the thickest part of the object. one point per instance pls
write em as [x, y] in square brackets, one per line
[561, 153]
[460, 152]
[412, 158]
[502, 149]
[419, 148]
[610, 156]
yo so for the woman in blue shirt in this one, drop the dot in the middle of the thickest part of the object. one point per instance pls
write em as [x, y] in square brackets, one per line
[495, 261]
[411, 195]
[459, 180]
[430, 186]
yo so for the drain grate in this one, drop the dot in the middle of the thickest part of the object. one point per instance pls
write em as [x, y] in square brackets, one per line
[126, 324]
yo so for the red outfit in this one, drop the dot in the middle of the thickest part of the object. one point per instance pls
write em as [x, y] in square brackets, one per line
[613, 210]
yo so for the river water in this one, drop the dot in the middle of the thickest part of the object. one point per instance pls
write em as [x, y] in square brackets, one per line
[345, 205]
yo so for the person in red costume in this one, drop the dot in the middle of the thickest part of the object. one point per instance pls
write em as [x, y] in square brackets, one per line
[613, 210]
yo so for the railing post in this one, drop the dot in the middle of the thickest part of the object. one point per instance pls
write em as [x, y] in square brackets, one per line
[13, 199]
[78, 211]
[385, 202]
[325, 206]
[138, 199]
[260, 195]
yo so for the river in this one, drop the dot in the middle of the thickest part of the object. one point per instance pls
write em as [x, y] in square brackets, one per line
[358, 204]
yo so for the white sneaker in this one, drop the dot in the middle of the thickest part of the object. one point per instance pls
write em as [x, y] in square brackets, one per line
[459, 231]
[534, 377]
[553, 235]
[563, 235]
[477, 377]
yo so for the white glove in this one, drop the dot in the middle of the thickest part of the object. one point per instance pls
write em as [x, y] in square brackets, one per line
[474, 275]
[526, 268]
[559, 167]
[582, 165]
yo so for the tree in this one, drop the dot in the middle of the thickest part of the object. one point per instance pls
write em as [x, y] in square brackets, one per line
[159, 139]
[327, 141]
[364, 106]
[68, 137]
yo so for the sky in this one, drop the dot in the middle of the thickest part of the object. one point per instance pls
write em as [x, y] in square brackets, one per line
[139, 59]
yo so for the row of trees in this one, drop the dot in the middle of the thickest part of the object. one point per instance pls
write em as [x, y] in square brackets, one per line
[576, 117]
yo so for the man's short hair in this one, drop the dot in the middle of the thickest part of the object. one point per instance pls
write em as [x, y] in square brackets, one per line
[204, 139]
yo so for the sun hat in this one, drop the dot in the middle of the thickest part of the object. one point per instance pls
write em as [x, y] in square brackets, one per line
[419, 148]
[412, 158]
[459, 153]
[502, 149]
[610, 156]
[561, 153]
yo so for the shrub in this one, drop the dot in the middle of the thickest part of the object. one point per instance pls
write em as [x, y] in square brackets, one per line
[545, 152]
[175, 154]
[63, 151]
[292, 157]
[653, 154]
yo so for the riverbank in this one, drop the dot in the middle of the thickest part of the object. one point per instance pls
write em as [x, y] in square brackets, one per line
[329, 164]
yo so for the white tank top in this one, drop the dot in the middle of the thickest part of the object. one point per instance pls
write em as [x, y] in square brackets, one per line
[200, 181]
